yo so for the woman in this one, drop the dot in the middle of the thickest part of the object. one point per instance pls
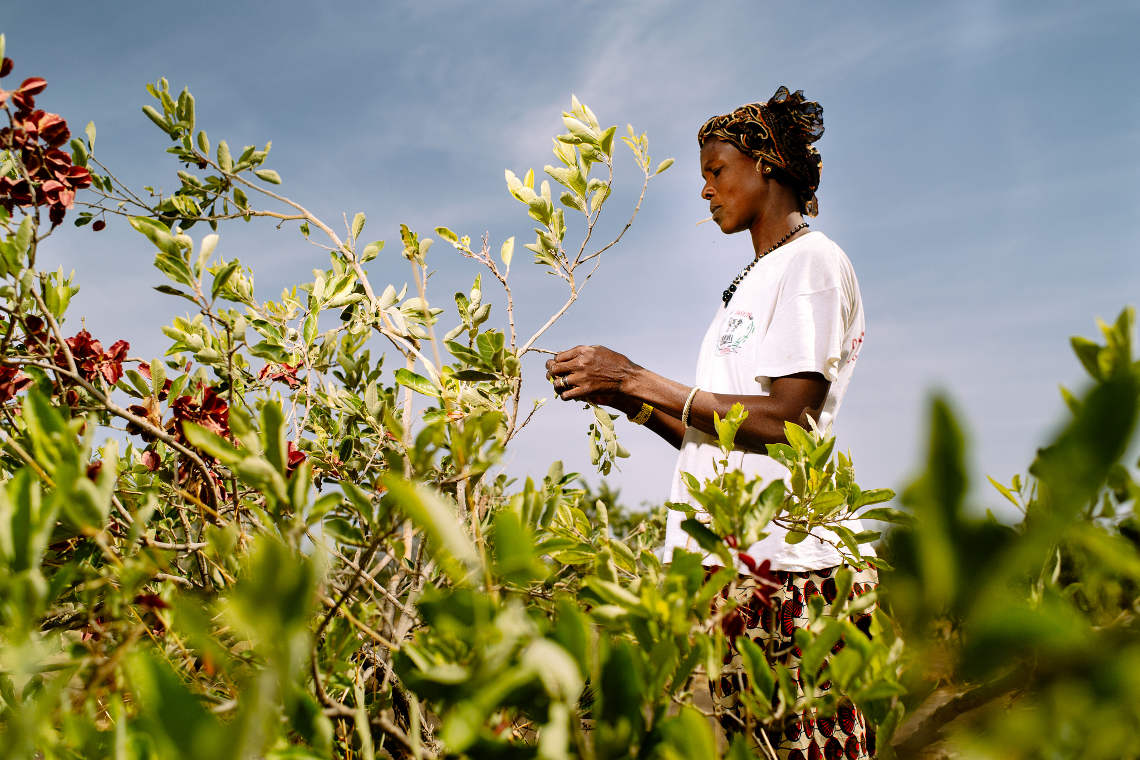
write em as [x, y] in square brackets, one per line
[782, 343]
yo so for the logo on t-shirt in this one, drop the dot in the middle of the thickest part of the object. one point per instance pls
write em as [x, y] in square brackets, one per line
[738, 328]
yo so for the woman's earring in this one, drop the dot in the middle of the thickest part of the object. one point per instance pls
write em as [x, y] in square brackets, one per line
[766, 170]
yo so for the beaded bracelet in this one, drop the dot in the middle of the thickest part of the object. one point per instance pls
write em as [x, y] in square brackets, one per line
[688, 405]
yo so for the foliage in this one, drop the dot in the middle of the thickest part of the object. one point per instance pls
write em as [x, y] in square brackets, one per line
[1022, 640]
[268, 544]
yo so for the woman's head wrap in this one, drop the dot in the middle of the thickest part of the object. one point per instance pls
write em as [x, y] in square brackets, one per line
[779, 132]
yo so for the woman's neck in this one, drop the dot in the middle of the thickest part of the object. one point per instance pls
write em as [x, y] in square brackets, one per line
[771, 228]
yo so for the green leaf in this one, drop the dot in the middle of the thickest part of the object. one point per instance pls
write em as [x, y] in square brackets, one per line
[514, 548]
[372, 250]
[607, 142]
[1004, 492]
[174, 717]
[828, 502]
[270, 351]
[507, 251]
[473, 375]
[663, 166]
[362, 501]
[760, 675]
[223, 277]
[138, 382]
[22, 240]
[261, 474]
[51, 440]
[203, 143]
[417, 383]
[78, 152]
[26, 522]
[847, 537]
[174, 268]
[688, 737]
[819, 647]
[157, 118]
[1074, 467]
[225, 160]
[212, 443]
[343, 531]
[727, 428]
[556, 669]
[438, 518]
[447, 234]
[612, 593]
[205, 250]
[704, 537]
[273, 435]
[358, 224]
[888, 514]
[321, 507]
[268, 175]
[159, 234]
[873, 496]
[821, 453]
[1089, 354]
[273, 600]
[798, 438]
[936, 499]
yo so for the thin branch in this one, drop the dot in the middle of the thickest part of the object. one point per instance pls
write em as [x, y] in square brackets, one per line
[628, 224]
[349, 587]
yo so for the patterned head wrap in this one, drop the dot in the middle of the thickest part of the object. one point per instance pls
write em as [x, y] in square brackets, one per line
[779, 132]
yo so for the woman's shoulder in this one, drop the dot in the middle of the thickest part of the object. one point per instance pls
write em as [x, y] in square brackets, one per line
[818, 263]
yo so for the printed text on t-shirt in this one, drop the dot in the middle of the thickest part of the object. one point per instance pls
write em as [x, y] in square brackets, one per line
[856, 344]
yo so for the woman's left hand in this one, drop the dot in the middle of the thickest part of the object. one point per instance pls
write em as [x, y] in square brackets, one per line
[590, 373]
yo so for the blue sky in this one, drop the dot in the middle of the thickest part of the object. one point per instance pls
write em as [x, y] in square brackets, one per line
[980, 170]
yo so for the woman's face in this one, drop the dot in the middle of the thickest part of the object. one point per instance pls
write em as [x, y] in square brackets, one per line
[734, 189]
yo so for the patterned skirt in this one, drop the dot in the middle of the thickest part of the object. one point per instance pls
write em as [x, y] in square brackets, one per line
[804, 736]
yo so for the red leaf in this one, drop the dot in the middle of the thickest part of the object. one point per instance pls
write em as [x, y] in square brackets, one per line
[295, 458]
[77, 176]
[32, 86]
[151, 601]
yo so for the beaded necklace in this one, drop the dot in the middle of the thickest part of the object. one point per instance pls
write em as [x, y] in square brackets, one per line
[727, 296]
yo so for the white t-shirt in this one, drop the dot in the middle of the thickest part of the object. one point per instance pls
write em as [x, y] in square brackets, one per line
[797, 310]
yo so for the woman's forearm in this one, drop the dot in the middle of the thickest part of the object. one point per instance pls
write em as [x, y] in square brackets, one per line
[600, 374]
[790, 398]
[660, 422]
